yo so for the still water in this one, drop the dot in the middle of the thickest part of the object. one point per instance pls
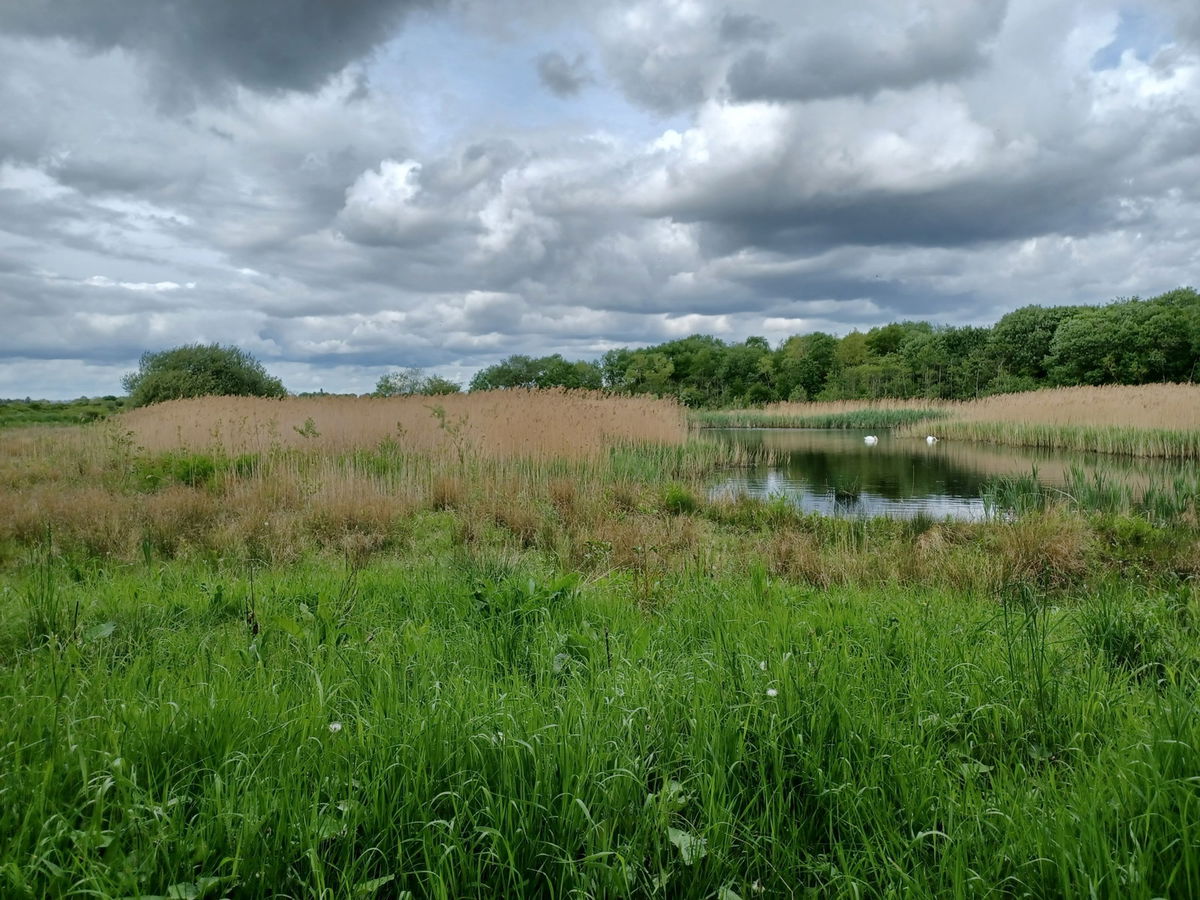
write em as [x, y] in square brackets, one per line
[833, 472]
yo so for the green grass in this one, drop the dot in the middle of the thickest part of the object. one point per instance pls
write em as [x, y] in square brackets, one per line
[1162, 501]
[860, 418]
[20, 413]
[457, 723]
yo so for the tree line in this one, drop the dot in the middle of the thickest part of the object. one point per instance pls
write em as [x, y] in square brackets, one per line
[1125, 342]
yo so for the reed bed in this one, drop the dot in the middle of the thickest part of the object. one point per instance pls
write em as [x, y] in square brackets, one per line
[492, 423]
[1149, 420]
[1166, 501]
[837, 407]
[1157, 443]
[873, 418]
[1151, 406]
[1166, 406]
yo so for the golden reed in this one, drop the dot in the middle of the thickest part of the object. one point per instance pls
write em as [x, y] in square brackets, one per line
[550, 423]
[1171, 406]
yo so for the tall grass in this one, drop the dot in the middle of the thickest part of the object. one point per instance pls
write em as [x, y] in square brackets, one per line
[1152, 406]
[481, 725]
[380, 670]
[1162, 500]
[493, 423]
[873, 417]
[1112, 439]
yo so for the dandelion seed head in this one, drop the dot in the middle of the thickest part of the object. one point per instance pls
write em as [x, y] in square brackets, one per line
[771, 692]
[335, 727]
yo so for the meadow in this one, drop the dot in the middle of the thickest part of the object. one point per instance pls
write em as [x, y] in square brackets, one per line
[510, 647]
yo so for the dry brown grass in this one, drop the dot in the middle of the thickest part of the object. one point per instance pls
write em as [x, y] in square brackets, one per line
[1173, 406]
[1046, 551]
[541, 424]
[601, 516]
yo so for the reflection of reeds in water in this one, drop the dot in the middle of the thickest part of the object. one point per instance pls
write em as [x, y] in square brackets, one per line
[845, 488]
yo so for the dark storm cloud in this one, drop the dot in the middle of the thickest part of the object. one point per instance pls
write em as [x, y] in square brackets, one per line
[959, 215]
[946, 43]
[739, 27]
[197, 47]
[563, 77]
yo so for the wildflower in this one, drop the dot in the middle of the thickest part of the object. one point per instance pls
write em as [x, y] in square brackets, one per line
[762, 664]
[771, 692]
[335, 727]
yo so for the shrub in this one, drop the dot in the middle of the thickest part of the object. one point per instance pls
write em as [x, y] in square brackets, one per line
[198, 370]
[679, 500]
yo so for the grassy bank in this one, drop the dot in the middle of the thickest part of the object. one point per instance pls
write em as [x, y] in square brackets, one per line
[387, 671]
[875, 417]
[24, 413]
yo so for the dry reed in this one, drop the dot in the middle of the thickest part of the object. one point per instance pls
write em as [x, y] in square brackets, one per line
[540, 424]
[1148, 420]
[1166, 406]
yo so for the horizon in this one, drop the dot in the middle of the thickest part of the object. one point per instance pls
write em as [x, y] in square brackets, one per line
[441, 185]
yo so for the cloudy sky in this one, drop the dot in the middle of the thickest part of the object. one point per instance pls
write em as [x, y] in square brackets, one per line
[343, 188]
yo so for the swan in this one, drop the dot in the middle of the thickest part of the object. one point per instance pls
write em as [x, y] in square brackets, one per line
[930, 439]
[870, 440]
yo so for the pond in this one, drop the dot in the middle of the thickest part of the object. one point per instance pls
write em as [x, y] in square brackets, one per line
[836, 473]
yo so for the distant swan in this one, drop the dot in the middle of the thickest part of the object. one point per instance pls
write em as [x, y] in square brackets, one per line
[930, 439]
[870, 440]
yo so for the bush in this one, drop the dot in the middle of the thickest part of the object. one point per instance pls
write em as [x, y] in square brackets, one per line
[198, 370]
[407, 382]
[678, 500]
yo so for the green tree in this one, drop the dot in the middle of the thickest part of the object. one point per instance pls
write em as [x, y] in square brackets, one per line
[519, 371]
[650, 373]
[411, 381]
[1128, 342]
[804, 363]
[199, 370]
[438, 386]
[851, 350]
[1020, 341]
[554, 371]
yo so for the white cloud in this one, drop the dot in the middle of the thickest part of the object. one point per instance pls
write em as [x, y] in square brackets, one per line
[957, 160]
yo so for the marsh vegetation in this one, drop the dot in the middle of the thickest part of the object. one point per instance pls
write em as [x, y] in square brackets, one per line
[508, 645]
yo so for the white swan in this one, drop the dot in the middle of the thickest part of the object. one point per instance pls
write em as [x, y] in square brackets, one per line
[930, 439]
[870, 440]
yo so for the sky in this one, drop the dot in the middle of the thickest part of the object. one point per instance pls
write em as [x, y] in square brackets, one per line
[347, 188]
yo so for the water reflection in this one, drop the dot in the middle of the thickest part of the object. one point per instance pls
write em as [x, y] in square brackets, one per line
[833, 472]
